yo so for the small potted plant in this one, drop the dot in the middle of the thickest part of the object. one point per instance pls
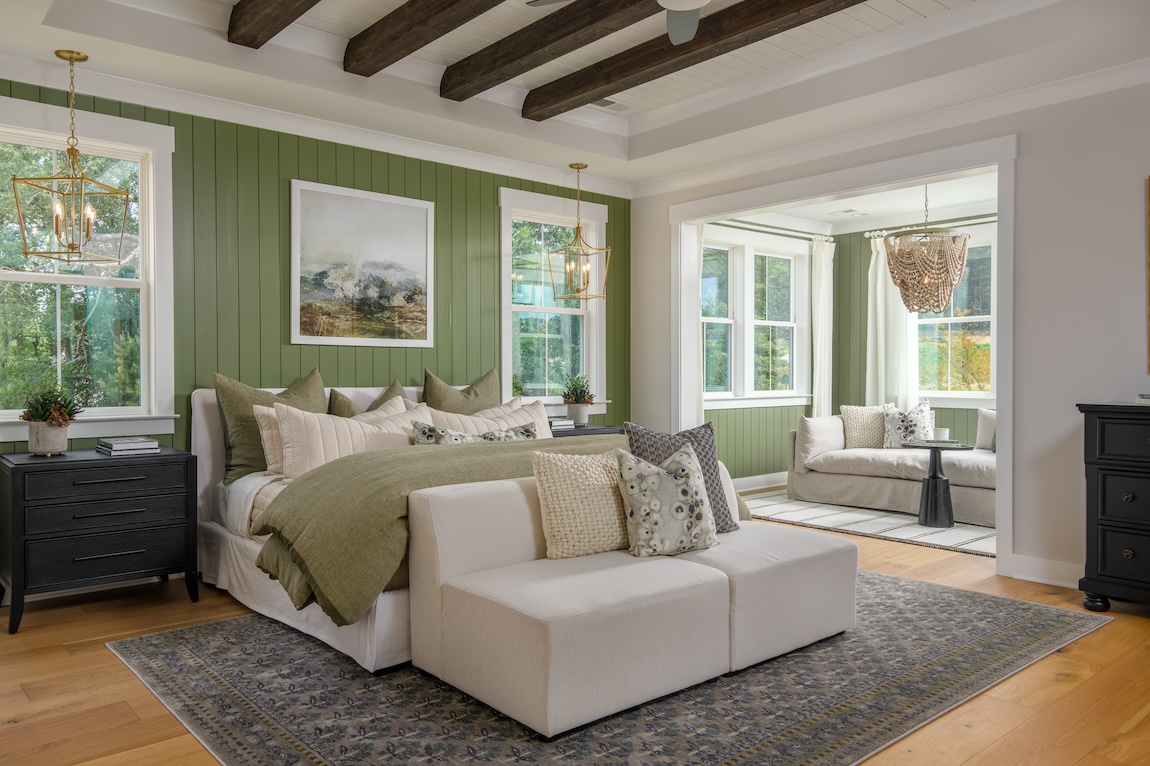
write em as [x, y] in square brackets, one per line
[48, 410]
[578, 398]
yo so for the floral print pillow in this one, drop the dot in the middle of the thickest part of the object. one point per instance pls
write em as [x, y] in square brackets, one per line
[425, 433]
[666, 505]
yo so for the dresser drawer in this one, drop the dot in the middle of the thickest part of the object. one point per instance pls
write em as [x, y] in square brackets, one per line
[84, 557]
[84, 482]
[1122, 439]
[74, 517]
[1123, 496]
[1124, 554]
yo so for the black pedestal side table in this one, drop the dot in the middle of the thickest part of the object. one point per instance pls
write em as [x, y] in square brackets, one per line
[935, 508]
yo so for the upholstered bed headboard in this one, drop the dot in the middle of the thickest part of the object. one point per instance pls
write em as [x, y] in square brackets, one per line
[208, 436]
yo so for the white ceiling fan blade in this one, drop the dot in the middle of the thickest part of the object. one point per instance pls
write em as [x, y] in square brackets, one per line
[682, 25]
[541, 3]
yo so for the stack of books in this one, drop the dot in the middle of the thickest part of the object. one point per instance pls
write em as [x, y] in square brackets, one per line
[123, 446]
[560, 424]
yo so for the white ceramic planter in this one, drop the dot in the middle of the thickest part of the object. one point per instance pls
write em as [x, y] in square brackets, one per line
[578, 413]
[44, 439]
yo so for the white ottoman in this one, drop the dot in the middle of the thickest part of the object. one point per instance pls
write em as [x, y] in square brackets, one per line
[789, 587]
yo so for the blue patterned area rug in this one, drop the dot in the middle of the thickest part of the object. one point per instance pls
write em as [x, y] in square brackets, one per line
[257, 692]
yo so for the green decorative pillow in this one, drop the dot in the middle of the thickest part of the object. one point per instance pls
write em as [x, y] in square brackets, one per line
[667, 509]
[480, 395]
[425, 433]
[341, 406]
[243, 449]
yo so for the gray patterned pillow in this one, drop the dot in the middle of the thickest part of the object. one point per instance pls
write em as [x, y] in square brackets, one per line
[863, 426]
[915, 425]
[425, 433]
[656, 446]
[666, 505]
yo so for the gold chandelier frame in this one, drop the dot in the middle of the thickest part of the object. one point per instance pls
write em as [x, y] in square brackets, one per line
[578, 258]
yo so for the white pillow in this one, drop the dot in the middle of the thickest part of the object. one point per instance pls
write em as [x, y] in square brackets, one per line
[579, 503]
[311, 439]
[477, 424]
[915, 425]
[863, 426]
[272, 440]
[499, 410]
[984, 437]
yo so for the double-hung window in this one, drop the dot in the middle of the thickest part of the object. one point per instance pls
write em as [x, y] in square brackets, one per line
[99, 328]
[755, 315]
[955, 346]
[544, 339]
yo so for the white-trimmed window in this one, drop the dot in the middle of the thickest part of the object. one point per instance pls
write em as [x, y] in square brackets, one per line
[544, 340]
[755, 315]
[956, 346]
[102, 329]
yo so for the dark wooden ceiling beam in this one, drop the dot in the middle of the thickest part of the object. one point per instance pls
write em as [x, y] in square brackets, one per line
[407, 29]
[721, 32]
[254, 22]
[560, 32]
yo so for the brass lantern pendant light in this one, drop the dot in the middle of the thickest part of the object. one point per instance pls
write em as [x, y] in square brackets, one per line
[58, 214]
[577, 258]
[926, 263]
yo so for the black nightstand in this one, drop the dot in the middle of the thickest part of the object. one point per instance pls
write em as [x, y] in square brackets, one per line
[83, 518]
[587, 431]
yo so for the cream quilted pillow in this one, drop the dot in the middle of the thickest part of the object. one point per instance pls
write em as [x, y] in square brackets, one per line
[311, 439]
[580, 504]
[272, 439]
[477, 424]
[863, 426]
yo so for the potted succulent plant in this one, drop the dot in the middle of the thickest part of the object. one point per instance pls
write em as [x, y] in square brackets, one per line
[48, 410]
[578, 398]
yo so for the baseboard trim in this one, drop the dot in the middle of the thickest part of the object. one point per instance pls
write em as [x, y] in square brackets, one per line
[1046, 571]
[762, 481]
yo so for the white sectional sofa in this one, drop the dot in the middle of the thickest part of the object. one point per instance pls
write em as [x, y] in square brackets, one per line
[557, 643]
[821, 469]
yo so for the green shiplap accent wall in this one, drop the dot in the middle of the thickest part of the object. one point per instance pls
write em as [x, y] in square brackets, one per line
[753, 441]
[231, 198]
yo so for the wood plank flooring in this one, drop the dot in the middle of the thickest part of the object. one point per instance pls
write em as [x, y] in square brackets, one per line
[65, 699]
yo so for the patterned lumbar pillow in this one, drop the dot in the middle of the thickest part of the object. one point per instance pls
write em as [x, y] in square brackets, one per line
[425, 433]
[579, 503]
[656, 446]
[863, 426]
[667, 505]
[915, 425]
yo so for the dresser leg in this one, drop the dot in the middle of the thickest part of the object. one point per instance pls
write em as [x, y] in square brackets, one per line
[17, 611]
[1096, 602]
[193, 584]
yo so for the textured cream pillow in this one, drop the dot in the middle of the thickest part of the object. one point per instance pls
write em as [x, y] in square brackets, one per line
[579, 503]
[311, 439]
[863, 427]
[271, 436]
[476, 424]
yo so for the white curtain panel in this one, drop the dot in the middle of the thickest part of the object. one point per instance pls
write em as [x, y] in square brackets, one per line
[822, 324]
[891, 347]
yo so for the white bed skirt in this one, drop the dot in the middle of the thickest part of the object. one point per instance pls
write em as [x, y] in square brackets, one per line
[380, 639]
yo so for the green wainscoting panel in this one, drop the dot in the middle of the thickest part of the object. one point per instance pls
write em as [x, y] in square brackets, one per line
[848, 348]
[753, 441]
[232, 239]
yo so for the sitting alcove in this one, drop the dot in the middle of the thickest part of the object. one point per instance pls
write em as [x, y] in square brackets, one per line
[973, 186]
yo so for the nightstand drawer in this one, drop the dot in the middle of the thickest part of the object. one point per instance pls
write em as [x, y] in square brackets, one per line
[1124, 497]
[1122, 439]
[1124, 554]
[145, 477]
[70, 559]
[75, 517]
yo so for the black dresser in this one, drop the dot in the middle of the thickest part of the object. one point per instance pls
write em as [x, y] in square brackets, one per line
[1117, 455]
[83, 518]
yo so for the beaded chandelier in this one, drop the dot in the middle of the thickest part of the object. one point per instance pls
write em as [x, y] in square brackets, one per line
[926, 264]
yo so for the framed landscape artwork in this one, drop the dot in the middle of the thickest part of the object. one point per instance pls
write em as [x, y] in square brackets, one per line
[361, 267]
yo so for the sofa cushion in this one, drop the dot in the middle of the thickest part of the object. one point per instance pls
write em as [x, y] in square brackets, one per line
[579, 503]
[667, 509]
[973, 468]
[656, 446]
[816, 436]
[914, 425]
[984, 437]
[863, 426]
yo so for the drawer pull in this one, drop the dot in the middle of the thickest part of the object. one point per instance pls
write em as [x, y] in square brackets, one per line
[113, 555]
[79, 516]
[1127, 497]
[108, 481]
[1127, 554]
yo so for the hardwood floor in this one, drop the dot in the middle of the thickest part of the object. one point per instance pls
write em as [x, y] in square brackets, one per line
[65, 699]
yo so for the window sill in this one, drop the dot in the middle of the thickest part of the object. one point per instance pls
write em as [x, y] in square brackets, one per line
[15, 430]
[756, 402]
[961, 402]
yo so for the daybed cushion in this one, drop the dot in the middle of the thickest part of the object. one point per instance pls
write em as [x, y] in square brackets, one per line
[975, 468]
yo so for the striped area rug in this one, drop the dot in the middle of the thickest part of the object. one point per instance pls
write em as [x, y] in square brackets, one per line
[776, 506]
